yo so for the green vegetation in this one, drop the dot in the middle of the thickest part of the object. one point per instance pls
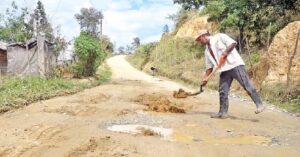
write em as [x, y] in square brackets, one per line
[106, 45]
[279, 95]
[12, 26]
[252, 22]
[142, 55]
[88, 51]
[16, 92]
[190, 4]
[89, 19]
[40, 21]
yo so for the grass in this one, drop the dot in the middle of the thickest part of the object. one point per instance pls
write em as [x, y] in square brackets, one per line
[16, 92]
[283, 97]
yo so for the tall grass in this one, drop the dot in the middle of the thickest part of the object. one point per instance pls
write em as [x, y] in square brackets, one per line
[18, 91]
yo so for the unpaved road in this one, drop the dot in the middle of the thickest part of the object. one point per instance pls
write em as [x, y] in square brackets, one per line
[76, 125]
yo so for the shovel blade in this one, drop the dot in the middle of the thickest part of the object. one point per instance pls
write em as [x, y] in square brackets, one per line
[196, 93]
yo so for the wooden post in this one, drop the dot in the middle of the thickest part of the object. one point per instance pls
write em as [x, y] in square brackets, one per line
[248, 50]
[288, 80]
[28, 58]
[269, 35]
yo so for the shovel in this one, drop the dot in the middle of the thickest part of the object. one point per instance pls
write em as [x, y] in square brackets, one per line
[196, 93]
[202, 85]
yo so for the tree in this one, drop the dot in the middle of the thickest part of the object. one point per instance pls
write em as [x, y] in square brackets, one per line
[190, 4]
[88, 51]
[13, 27]
[136, 42]
[121, 50]
[40, 24]
[253, 21]
[89, 19]
[129, 49]
[166, 29]
[60, 43]
[106, 45]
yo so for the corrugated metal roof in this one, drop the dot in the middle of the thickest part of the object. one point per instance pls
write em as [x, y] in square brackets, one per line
[31, 43]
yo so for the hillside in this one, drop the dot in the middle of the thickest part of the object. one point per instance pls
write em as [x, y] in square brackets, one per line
[179, 57]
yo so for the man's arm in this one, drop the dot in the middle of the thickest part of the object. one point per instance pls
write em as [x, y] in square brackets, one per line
[225, 54]
[229, 49]
[205, 78]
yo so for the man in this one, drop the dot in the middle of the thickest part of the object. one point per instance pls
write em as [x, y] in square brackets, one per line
[221, 53]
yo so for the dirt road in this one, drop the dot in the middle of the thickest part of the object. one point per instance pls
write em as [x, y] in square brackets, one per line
[93, 123]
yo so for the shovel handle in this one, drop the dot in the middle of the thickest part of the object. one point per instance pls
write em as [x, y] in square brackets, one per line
[211, 74]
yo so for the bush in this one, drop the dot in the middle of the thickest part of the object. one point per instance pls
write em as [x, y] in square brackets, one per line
[89, 55]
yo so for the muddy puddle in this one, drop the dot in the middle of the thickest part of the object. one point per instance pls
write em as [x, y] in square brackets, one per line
[168, 134]
[159, 103]
[145, 130]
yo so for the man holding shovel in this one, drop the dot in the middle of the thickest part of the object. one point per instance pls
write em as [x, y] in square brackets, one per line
[221, 55]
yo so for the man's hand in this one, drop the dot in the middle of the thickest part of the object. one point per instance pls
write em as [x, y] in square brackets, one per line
[204, 81]
[222, 60]
[205, 76]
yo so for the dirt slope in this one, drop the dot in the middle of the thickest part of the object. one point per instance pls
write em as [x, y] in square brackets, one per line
[77, 125]
[192, 26]
[273, 65]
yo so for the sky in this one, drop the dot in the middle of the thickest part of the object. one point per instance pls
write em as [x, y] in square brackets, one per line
[123, 19]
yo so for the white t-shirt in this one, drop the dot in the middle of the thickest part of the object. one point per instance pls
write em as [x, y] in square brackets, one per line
[219, 43]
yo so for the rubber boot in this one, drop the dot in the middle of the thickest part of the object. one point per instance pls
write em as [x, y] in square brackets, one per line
[260, 108]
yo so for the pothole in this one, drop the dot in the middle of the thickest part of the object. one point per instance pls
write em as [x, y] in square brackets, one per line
[159, 103]
[145, 130]
[168, 134]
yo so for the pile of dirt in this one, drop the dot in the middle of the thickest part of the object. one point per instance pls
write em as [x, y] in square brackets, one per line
[148, 132]
[181, 94]
[273, 66]
[158, 103]
[259, 72]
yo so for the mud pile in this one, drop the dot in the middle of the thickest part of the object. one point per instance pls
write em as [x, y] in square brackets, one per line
[158, 103]
[181, 94]
[273, 66]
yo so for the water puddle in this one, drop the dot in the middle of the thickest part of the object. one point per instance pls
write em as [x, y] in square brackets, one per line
[146, 130]
[165, 133]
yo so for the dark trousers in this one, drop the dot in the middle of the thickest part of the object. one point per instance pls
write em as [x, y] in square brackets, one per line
[226, 78]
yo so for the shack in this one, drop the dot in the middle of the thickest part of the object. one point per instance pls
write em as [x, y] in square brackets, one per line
[33, 58]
